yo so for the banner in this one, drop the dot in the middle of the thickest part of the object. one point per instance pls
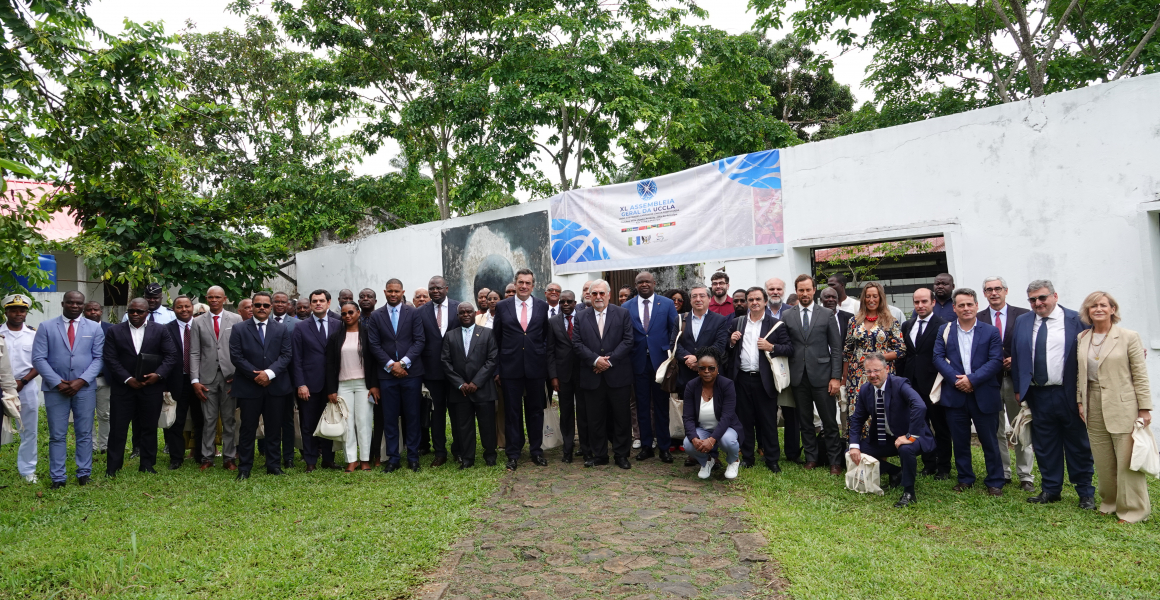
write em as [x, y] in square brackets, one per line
[725, 210]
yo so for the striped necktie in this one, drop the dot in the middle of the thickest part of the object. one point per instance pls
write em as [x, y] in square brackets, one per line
[881, 418]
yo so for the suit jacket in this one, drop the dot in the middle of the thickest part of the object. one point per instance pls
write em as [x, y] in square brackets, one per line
[917, 364]
[616, 345]
[210, 353]
[289, 321]
[1123, 378]
[724, 406]
[986, 364]
[476, 365]
[1013, 313]
[249, 354]
[817, 353]
[174, 383]
[781, 347]
[653, 344]
[844, 324]
[905, 412]
[121, 356]
[389, 345]
[1022, 365]
[714, 332]
[308, 366]
[57, 362]
[522, 354]
[561, 357]
[432, 355]
[334, 344]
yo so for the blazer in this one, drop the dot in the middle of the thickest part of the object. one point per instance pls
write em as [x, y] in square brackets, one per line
[389, 345]
[616, 345]
[817, 352]
[432, 355]
[651, 348]
[1023, 367]
[522, 354]
[714, 332]
[781, 347]
[844, 324]
[290, 320]
[1013, 313]
[1123, 378]
[308, 348]
[476, 365]
[561, 357]
[249, 354]
[986, 364]
[334, 359]
[174, 382]
[121, 356]
[917, 364]
[57, 362]
[905, 412]
[724, 406]
[209, 353]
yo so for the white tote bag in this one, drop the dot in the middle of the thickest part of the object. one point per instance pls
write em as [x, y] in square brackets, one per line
[936, 389]
[1145, 459]
[1020, 433]
[676, 417]
[168, 411]
[552, 436]
[332, 424]
[863, 478]
[664, 368]
[778, 364]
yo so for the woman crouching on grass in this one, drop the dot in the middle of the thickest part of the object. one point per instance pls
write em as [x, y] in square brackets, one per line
[711, 415]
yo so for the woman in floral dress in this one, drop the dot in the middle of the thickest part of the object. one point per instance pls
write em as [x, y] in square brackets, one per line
[872, 329]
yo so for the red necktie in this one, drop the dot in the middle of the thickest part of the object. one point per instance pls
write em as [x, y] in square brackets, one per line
[524, 315]
[999, 324]
[72, 333]
[569, 327]
[185, 344]
[217, 331]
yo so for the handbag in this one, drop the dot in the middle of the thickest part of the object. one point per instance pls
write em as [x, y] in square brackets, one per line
[1020, 433]
[168, 411]
[864, 477]
[778, 364]
[552, 436]
[666, 376]
[332, 423]
[936, 389]
[676, 417]
[1144, 456]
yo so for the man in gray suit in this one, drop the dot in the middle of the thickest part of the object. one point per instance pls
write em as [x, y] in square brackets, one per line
[211, 373]
[815, 369]
[468, 355]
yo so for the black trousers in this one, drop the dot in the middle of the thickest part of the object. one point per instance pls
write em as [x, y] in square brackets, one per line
[377, 434]
[142, 408]
[568, 419]
[907, 455]
[434, 417]
[523, 399]
[309, 413]
[271, 409]
[175, 435]
[758, 415]
[1060, 438]
[938, 460]
[465, 414]
[287, 427]
[607, 410]
[809, 396]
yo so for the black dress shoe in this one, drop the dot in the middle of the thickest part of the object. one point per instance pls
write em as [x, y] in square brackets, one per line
[928, 471]
[489, 462]
[666, 456]
[962, 487]
[136, 453]
[1027, 486]
[465, 465]
[1087, 503]
[690, 462]
[83, 480]
[275, 471]
[243, 475]
[773, 467]
[540, 460]
[512, 464]
[906, 500]
[287, 464]
[942, 476]
[414, 466]
[439, 461]
[645, 454]
[601, 462]
[995, 491]
[424, 451]
[1044, 498]
[590, 462]
[566, 459]
[391, 467]
[147, 470]
[894, 480]
[623, 463]
[56, 485]
[747, 462]
[173, 466]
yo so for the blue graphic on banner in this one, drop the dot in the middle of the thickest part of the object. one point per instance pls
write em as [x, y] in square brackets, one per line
[756, 169]
[646, 189]
[573, 243]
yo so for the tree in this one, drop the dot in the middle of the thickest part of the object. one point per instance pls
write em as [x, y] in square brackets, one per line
[20, 218]
[860, 263]
[802, 84]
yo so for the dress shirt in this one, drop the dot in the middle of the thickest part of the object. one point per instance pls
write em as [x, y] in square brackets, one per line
[1003, 313]
[749, 352]
[161, 316]
[920, 323]
[599, 315]
[1056, 334]
[652, 304]
[19, 345]
[281, 319]
[489, 320]
[265, 325]
[695, 323]
[946, 310]
[966, 339]
[138, 335]
[520, 304]
[325, 327]
[885, 422]
[553, 310]
[441, 317]
[183, 327]
[467, 333]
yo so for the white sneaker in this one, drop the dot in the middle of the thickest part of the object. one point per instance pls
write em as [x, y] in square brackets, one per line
[708, 470]
[30, 478]
[731, 469]
[635, 444]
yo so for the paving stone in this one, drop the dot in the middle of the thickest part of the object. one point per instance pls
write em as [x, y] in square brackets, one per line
[573, 570]
[638, 525]
[637, 578]
[624, 564]
[695, 509]
[499, 554]
[536, 503]
[649, 513]
[604, 528]
[589, 545]
[598, 555]
[676, 561]
[710, 562]
[681, 590]
[738, 572]
[530, 554]
[557, 560]
[524, 580]
[732, 525]
[734, 589]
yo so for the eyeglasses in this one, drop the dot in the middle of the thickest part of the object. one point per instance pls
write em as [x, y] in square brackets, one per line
[707, 368]
[136, 311]
[1035, 299]
[993, 289]
[256, 305]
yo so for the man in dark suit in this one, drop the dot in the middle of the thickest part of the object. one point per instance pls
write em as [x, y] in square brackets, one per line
[701, 327]
[397, 341]
[814, 367]
[308, 374]
[917, 366]
[260, 350]
[830, 300]
[654, 325]
[562, 376]
[285, 313]
[897, 428]
[521, 332]
[179, 385]
[468, 355]
[438, 316]
[969, 359]
[749, 339]
[1044, 366]
[602, 341]
[136, 399]
[1002, 316]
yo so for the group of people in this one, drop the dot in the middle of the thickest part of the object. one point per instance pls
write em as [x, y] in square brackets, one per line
[841, 375]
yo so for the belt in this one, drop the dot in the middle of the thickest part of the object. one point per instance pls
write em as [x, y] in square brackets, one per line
[751, 373]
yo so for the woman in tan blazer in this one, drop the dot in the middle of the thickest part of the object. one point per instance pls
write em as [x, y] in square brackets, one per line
[1116, 393]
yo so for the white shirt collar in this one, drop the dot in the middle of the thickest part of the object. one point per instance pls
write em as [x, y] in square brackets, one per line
[143, 325]
[973, 324]
[262, 322]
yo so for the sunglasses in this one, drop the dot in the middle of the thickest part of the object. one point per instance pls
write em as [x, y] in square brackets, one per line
[1035, 299]
[263, 305]
[136, 311]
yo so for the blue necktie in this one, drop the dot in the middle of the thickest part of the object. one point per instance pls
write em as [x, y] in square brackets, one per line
[881, 418]
[1040, 375]
[395, 319]
[262, 332]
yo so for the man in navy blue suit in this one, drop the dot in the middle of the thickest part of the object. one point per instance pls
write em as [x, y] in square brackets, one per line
[654, 325]
[702, 327]
[1044, 367]
[969, 355]
[521, 332]
[308, 373]
[897, 428]
[438, 317]
[260, 351]
[397, 341]
[602, 342]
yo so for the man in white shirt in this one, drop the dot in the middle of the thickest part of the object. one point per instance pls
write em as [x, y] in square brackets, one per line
[157, 312]
[18, 339]
[438, 316]
[1002, 316]
[552, 296]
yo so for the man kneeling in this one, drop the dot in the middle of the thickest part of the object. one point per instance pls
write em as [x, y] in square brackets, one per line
[897, 425]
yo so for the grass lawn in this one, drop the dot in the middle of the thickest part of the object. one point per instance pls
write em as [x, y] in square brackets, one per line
[190, 534]
[834, 543]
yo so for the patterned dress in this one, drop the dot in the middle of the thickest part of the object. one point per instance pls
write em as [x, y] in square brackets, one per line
[861, 341]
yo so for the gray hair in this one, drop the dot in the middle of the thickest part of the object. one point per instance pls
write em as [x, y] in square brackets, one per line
[1001, 281]
[596, 282]
[1039, 284]
[965, 291]
[878, 356]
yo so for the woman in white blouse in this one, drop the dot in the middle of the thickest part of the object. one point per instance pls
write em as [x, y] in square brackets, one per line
[351, 372]
[711, 415]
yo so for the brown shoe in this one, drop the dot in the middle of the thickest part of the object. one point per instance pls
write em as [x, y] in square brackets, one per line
[835, 470]
[995, 491]
[376, 463]
[439, 461]
[205, 465]
[1027, 486]
[810, 466]
[229, 465]
[961, 487]
[310, 468]
[350, 467]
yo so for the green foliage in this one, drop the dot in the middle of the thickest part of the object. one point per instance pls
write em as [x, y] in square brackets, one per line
[860, 263]
[20, 217]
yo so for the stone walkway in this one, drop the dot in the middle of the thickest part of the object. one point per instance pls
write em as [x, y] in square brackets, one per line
[566, 532]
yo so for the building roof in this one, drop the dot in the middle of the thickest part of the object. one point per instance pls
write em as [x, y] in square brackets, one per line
[63, 225]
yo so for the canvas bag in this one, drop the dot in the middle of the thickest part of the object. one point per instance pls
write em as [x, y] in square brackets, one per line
[666, 376]
[936, 389]
[676, 417]
[778, 364]
[863, 478]
[1144, 456]
[1021, 430]
[552, 436]
[168, 411]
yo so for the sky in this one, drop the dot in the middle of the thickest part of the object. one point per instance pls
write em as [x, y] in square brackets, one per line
[731, 16]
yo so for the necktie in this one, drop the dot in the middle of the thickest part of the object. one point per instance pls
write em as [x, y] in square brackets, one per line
[806, 319]
[151, 319]
[72, 333]
[524, 315]
[644, 317]
[1040, 375]
[553, 312]
[439, 317]
[600, 323]
[569, 318]
[321, 331]
[999, 324]
[395, 319]
[262, 332]
[921, 328]
[185, 345]
[881, 419]
[217, 329]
